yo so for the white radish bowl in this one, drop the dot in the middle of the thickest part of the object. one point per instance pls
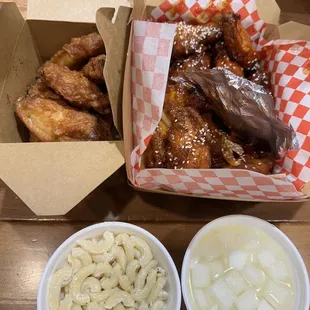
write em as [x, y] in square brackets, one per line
[161, 254]
[302, 300]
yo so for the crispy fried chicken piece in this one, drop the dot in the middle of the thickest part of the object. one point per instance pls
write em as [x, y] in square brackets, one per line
[154, 155]
[238, 43]
[187, 141]
[196, 61]
[180, 95]
[191, 38]
[75, 87]
[260, 165]
[262, 78]
[51, 120]
[222, 60]
[33, 138]
[79, 50]
[42, 90]
[93, 70]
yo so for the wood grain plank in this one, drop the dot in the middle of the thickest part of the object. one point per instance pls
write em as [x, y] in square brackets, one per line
[27, 246]
[115, 199]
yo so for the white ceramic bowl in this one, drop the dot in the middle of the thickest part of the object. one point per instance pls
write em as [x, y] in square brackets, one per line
[302, 301]
[160, 254]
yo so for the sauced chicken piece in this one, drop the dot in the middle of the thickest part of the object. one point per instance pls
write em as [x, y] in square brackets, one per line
[222, 60]
[93, 70]
[50, 120]
[260, 165]
[237, 41]
[75, 88]
[200, 61]
[262, 78]
[187, 141]
[179, 95]
[190, 39]
[79, 50]
[155, 154]
[215, 135]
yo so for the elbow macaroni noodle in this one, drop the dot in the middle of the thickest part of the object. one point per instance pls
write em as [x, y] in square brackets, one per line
[117, 272]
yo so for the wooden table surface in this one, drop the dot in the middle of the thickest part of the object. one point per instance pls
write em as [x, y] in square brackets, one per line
[27, 241]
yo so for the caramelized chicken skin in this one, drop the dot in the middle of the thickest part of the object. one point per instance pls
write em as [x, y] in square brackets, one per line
[155, 154]
[237, 41]
[222, 60]
[187, 141]
[190, 39]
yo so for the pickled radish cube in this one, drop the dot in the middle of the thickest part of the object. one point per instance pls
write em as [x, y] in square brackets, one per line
[216, 268]
[235, 282]
[249, 241]
[277, 271]
[228, 241]
[237, 259]
[275, 293]
[200, 299]
[211, 250]
[266, 258]
[248, 301]
[223, 293]
[264, 305]
[200, 275]
[253, 275]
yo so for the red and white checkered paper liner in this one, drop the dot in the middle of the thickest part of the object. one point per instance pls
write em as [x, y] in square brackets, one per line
[289, 64]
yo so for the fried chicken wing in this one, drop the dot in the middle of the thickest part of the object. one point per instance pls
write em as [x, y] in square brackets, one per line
[197, 61]
[42, 90]
[191, 38]
[79, 50]
[93, 70]
[74, 87]
[179, 95]
[155, 154]
[50, 120]
[222, 60]
[187, 141]
[260, 165]
[238, 43]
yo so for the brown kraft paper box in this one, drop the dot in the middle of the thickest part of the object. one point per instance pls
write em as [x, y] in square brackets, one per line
[285, 20]
[51, 178]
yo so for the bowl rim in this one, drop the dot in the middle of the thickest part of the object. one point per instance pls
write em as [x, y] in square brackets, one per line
[108, 225]
[261, 224]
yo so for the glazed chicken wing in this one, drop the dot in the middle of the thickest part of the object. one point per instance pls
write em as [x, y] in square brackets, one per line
[222, 60]
[93, 70]
[197, 61]
[262, 78]
[237, 41]
[74, 87]
[260, 165]
[78, 50]
[179, 95]
[190, 39]
[50, 120]
[187, 141]
[154, 156]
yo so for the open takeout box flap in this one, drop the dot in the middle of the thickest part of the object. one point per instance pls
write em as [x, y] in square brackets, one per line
[70, 10]
[115, 36]
[51, 178]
